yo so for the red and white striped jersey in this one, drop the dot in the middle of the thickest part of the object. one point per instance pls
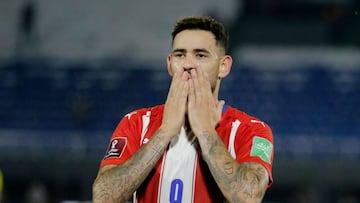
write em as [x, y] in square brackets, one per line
[181, 175]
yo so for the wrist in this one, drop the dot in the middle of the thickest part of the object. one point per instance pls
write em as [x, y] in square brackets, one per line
[168, 132]
[207, 140]
[204, 131]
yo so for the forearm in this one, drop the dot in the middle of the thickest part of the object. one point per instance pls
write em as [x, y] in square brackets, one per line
[119, 183]
[238, 182]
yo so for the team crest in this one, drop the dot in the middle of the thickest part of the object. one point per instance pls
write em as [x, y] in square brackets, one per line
[116, 147]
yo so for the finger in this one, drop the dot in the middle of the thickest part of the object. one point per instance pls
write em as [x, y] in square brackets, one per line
[219, 107]
[196, 84]
[202, 86]
[172, 85]
[184, 91]
[176, 83]
[191, 95]
[205, 83]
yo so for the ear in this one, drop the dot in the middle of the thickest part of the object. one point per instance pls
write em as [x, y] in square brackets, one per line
[225, 66]
[168, 62]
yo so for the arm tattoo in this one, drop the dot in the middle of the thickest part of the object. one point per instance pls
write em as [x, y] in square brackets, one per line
[245, 182]
[252, 179]
[120, 182]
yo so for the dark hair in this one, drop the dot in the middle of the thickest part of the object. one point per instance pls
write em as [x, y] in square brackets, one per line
[206, 23]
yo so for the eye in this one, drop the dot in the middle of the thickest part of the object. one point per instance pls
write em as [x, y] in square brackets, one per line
[179, 55]
[201, 55]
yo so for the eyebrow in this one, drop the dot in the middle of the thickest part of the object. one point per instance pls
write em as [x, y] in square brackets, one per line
[179, 50]
[194, 50]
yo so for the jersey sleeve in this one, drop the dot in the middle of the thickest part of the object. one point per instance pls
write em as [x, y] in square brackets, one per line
[124, 141]
[255, 143]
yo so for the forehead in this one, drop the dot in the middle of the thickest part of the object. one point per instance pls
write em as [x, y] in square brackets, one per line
[195, 39]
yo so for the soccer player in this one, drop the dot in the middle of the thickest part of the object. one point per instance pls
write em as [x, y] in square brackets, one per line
[194, 148]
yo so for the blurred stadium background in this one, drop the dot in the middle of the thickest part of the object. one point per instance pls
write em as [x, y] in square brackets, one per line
[69, 70]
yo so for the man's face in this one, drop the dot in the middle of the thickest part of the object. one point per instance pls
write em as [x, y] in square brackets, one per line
[196, 49]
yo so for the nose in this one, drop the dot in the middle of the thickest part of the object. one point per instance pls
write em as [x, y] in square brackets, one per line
[189, 63]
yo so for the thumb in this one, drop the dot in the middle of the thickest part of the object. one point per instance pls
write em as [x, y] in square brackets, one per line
[219, 107]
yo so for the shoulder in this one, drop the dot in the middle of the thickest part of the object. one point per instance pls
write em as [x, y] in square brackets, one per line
[138, 116]
[233, 114]
[135, 119]
[149, 111]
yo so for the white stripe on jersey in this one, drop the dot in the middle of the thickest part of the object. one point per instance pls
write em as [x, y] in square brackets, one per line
[231, 146]
[145, 125]
[178, 172]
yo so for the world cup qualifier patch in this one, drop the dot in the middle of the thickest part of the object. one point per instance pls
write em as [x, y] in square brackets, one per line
[262, 148]
[116, 147]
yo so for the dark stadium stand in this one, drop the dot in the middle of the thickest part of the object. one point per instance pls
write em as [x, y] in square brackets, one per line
[41, 96]
[59, 116]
